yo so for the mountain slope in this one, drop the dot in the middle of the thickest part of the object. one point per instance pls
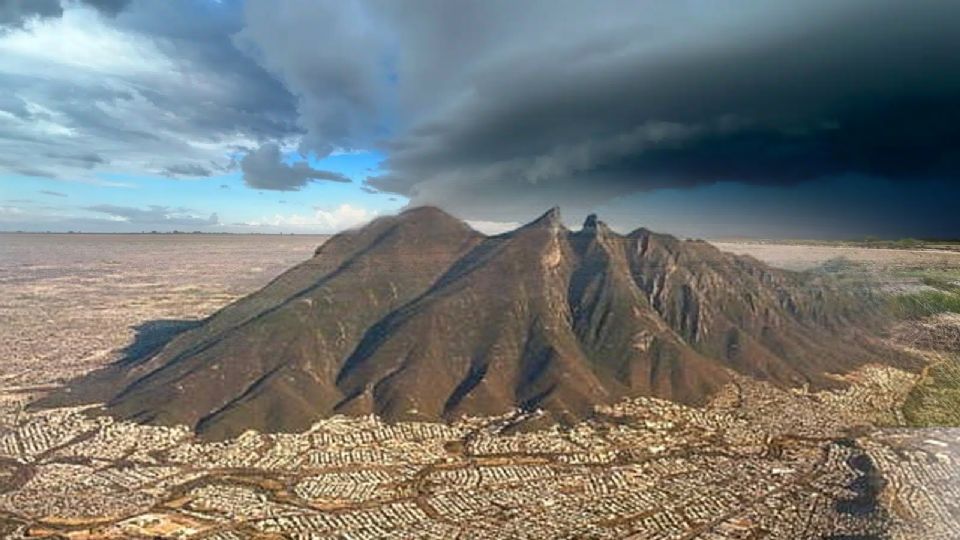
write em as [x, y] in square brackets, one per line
[419, 317]
[493, 333]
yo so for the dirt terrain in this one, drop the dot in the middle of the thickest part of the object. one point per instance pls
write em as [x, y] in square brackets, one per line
[74, 300]
[808, 256]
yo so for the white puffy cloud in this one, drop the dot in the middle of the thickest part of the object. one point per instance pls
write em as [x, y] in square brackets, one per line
[155, 215]
[80, 42]
[493, 227]
[344, 216]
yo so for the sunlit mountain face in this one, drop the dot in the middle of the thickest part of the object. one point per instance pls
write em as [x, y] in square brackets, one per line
[419, 317]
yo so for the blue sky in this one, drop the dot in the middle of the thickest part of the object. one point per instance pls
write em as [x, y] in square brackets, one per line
[140, 120]
[56, 204]
[774, 118]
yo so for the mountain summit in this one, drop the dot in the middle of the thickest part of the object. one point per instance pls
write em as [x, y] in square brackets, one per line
[418, 316]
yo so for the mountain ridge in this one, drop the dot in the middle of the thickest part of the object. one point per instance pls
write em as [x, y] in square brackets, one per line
[418, 316]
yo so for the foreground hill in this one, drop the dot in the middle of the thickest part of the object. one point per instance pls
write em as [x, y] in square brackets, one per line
[418, 316]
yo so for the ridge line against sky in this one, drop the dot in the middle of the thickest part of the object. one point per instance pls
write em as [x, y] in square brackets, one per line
[779, 119]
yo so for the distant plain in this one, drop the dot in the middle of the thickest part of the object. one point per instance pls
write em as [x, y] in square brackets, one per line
[71, 302]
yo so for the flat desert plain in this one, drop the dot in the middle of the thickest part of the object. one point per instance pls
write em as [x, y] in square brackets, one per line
[71, 302]
[793, 256]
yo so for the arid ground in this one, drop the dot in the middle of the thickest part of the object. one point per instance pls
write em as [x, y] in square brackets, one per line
[69, 302]
[796, 256]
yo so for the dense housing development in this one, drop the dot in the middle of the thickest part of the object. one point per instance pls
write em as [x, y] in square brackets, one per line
[757, 459]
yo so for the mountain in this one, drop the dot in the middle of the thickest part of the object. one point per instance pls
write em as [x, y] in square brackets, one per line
[417, 316]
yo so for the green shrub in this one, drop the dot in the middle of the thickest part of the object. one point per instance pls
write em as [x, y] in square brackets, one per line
[907, 243]
[925, 303]
[936, 400]
[940, 283]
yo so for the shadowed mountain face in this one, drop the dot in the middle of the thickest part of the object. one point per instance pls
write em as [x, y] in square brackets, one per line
[417, 316]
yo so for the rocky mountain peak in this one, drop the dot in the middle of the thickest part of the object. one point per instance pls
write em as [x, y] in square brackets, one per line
[591, 222]
[418, 316]
[549, 219]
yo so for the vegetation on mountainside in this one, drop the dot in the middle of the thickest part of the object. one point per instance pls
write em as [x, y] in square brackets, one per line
[935, 401]
[941, 295]
[925, 303]
[912, 244]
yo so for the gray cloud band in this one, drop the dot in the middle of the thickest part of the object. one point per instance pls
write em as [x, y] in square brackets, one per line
[496, 107]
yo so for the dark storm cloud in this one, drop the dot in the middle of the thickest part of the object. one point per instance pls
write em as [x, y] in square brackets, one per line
[263, 168]
[189, 170]
[331, 56]
[15, 13]
[110, 7]
[87, 160]
[494, 108]
[835, 97]
[13, 105]
[155, 215]
[235, 91]
[25, 169]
